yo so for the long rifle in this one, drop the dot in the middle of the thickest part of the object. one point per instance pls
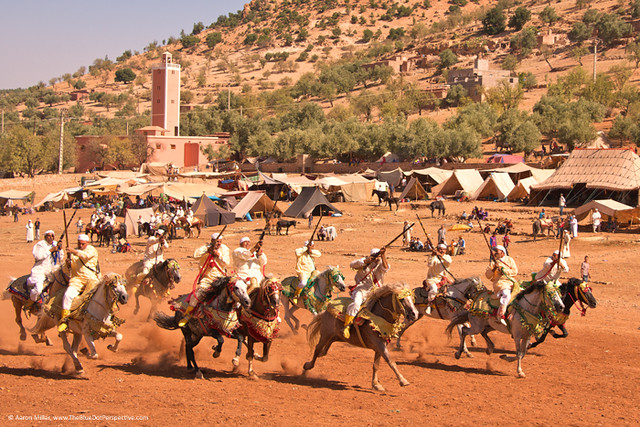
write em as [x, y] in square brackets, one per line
[314, 230]
[207, 264]
[266, 225]
[66, 226]
[434, 248]
[373, 257]
[486, 240]
[557, 262]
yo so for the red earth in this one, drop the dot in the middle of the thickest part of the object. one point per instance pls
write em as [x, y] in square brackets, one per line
[588, 378]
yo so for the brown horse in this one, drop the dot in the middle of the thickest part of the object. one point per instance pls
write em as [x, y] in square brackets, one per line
[19, 293]
[390, 305]
[260, 322]
[189, 229]
[157, 285]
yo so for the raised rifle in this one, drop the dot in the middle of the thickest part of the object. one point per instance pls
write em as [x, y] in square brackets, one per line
[65, 234]
[434, 248]
[314, 230]
[395, 238]
[486, 241]
[207, 262]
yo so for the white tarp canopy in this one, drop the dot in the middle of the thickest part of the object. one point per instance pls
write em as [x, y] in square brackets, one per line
[609, 209]
[436, 174]
[177, 190]
[496, 186]
[16, 195]
[58, 199]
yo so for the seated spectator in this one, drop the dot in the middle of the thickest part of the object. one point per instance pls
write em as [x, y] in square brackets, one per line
[462, 246]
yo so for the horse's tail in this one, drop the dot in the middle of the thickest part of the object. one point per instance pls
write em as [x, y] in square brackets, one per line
[460, 318]
[313, 331]
[165, 321]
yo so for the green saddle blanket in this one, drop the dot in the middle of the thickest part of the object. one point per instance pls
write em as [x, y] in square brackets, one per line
[484, 304]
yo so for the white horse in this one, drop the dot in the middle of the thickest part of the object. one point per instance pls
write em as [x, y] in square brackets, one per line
[526, 318]
[447, 304]
[315, 298]
[95, 321]
[331, 232]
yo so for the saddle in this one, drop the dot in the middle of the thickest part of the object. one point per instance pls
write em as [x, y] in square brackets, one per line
[485, 304]
[19, 288]
[338, 307]
[53, 307]
[311, 302]
[225, 322]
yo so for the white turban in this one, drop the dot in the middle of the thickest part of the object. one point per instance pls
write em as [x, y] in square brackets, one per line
[49, 232]
[160, 232]
[216, 236]
[245, 239]
[374, 251]
[442, 246]
[83, 238]
[500, 248]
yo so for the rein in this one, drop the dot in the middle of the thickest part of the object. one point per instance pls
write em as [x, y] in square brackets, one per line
[581, 308]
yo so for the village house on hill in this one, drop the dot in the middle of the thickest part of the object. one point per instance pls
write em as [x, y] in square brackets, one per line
[479, 78]
[163, 135]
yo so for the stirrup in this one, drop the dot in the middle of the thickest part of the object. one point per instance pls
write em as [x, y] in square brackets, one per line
[346, 332]
[63, 326]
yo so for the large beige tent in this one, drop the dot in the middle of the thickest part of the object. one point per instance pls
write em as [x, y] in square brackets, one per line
[393, 178]
[58, 199]
[131, 219]
[436, 175]
[358, 191]
[254, 201]
[593, 173]
[466, 180]
[414, 190]
[496, 186]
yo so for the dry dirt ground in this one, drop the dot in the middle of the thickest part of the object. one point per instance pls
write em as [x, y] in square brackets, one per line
[588, 378]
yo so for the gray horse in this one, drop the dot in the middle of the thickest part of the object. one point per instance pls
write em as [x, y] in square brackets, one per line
[525, 313]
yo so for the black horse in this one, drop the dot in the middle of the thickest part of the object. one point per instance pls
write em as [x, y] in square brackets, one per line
[284, 223]
[574, 291]
[437, 205]
[383, 196]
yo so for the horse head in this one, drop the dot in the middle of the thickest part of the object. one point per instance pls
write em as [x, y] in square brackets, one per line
[552, 292]
[116, 286]
[172, 269]
[272, 289]
[336, 278]
[406, 300]
[237, 289]
[474, 287]
[580, 291]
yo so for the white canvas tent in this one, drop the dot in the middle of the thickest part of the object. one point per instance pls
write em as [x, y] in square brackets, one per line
[466, 180]
[254, 201]
[57, 199]
[522, 189]
[496, 186]
[609, 209]
[131, 219]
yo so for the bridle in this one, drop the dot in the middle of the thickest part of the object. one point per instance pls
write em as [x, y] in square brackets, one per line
[580, 297]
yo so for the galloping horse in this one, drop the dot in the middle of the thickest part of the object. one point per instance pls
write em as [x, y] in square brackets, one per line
[529, 311]
[156, 286]
[437, 205]
[448, 302]
[260, 322]
[382, 317]
[196, 224]
[574, 291]
[323, 286]
[218, 316]
[19, 293]
[93, 318]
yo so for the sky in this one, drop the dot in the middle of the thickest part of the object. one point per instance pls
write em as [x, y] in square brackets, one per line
[42, 39]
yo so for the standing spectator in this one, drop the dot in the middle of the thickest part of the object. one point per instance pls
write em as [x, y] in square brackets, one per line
[139, 224]
[584, 269]
[79, 225]
[562, 203]
[493, 241]
[29, 232]
[442, 236]
[506, 239]
[36, 226]
[310, 219]
[16, 213]
[406, 237]
[462, 246]
[566, 241]
[596, 216]
[573, 223]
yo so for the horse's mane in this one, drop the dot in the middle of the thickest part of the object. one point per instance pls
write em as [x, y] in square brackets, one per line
[378, 293]
[533, 287]
[216, 288]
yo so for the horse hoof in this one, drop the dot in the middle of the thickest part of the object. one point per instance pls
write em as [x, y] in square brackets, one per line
[216, 354]
[258, 357]
[404, 383]
[489, 351]
[307, 366]
[253, 376]
[135, 311]
[112, 348]
[199, 375]
[378, 387]
[48, 342]
[79, 373]
[521, 375]
[93, 356]
[457, 355]
[23, 336]
[469, 355]
[35, 337]
[85, 351]
[235, 361]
